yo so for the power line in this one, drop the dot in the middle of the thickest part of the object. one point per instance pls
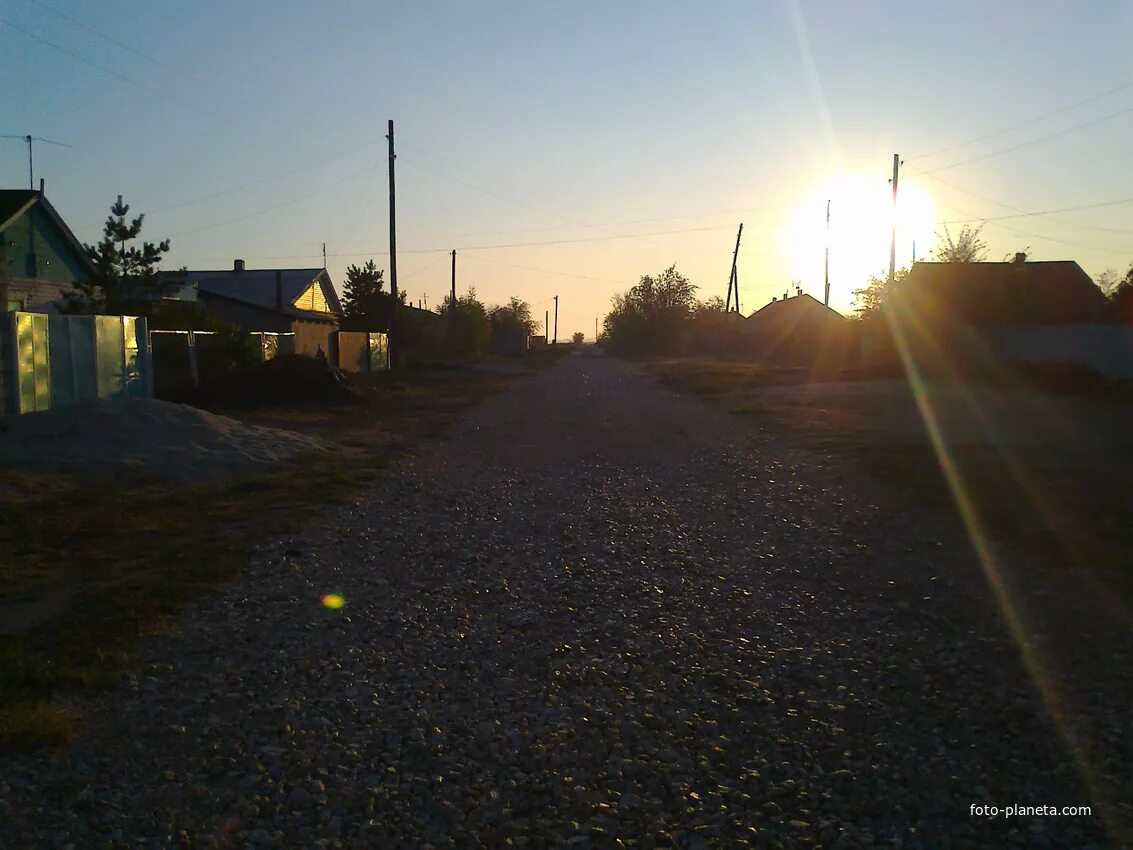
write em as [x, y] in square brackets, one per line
[1076, 245]
[120, 44]
[274, 207]
[1045, 214]
[1042, 213]
[270, 178]
[548, 271]
[1027, 143]
[1026, 123]
[164, 95]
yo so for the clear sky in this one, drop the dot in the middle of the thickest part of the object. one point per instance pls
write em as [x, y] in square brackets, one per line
[587, 142]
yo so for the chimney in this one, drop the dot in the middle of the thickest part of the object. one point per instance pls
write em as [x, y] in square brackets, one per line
[786, 295]
[1020, 257]
[237, 265]
[41, 185]
[774, 298]
[278, 288]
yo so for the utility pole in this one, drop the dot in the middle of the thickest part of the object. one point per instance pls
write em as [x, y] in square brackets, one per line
[826, 272]
[893, 239]
[547, 325]
[324, 255]
[556, 342]
[733, 279]
[392, 254]
[595, 328]
[914, 250]
[452, 294]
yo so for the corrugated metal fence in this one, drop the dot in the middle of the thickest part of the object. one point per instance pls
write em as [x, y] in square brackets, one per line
[50, 361]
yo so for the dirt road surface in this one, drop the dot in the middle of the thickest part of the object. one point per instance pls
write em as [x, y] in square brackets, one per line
[602, 615]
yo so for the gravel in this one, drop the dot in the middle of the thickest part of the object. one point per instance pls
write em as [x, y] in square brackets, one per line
[600, 615]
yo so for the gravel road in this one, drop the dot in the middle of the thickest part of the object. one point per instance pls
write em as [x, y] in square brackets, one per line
[601, 615]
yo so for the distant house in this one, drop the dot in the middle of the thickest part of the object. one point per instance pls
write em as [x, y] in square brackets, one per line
[999, 294]
[974, 319]
[298, 301]
[40, 258]
[798, 331]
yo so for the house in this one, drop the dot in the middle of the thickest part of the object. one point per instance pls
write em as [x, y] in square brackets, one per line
[298, 301]
[999, 294]
[40, 258]
[975, 319]
[798, 331]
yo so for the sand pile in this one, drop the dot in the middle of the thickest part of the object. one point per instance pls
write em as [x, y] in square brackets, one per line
[144, 438]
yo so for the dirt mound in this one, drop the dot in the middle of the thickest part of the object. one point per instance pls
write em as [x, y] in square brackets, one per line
[144, 438]
[283, 380]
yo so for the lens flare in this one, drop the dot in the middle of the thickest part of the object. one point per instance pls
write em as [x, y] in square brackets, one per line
[333, 601]
[916, 342]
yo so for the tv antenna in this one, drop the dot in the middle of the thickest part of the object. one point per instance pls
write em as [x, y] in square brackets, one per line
[29, 140]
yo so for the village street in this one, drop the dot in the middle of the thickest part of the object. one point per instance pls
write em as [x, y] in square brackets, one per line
[602, 615]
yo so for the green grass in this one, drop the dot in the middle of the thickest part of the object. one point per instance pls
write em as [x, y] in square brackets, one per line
[93, 566]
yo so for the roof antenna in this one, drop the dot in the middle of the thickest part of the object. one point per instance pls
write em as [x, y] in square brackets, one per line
[29, 140]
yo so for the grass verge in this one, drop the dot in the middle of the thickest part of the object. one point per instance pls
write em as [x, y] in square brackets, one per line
[1063, 497]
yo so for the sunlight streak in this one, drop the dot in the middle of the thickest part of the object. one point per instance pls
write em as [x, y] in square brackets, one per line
[1018, 622]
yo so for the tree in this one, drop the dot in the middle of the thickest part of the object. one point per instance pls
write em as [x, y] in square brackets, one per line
[967, 247]
[578, 337]
[650, 317]
[469, 330]
[1121, 299]
[514, 315]
[125, 278]
[366, 306]
[869, 300]
[710, 309]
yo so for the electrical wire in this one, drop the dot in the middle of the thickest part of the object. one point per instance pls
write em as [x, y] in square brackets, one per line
[1028, 143]
[1027, 123]
[1023, 212]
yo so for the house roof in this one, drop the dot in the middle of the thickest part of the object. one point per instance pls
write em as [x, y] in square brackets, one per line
[791, 311]
[1019, 292]
[15, 202]
[257, 287]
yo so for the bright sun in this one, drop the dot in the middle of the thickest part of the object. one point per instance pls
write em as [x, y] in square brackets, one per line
[861, 217]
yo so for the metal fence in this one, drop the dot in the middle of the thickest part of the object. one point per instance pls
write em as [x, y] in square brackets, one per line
[50, 361]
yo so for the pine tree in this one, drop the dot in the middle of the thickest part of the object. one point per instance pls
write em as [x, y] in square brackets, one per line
[126, 279]
[366, 306]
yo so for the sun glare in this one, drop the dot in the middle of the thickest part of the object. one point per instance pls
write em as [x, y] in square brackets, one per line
[861, 218]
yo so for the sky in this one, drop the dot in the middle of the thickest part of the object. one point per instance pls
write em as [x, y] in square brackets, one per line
[568, 148]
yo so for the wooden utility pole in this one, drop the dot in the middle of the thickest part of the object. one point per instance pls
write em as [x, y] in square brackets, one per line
[733, 280]
[893, 238]
[452, 294]
[556, 342]
[826, 272]
[392, 254]
[547, 325]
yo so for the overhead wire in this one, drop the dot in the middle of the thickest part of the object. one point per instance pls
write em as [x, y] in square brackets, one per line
[1026, 123]
[1024, 144]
